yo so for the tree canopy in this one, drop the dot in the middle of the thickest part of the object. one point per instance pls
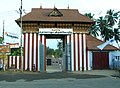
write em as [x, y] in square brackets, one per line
[1, 40]
[57, 52]
[107, 26]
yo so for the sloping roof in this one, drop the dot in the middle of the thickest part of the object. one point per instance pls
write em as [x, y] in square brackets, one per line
[94, 42]
[68, 15]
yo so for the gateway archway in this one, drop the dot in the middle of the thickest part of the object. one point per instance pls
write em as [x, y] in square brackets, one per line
[56, 62]
[40, 24]
[56, 33]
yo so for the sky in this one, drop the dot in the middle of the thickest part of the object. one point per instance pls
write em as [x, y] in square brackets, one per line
[9, 11]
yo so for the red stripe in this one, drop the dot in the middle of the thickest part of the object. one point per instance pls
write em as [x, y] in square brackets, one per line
[20, 62]
[12, 60]
[44, 53]
[15, 61]
[8, 61]
[74, 52]
[32, 50]
[82, 54]
[36, 52]
[86, 52]
[70, 53]
[24, 54]
[28, 68]
[78, 53]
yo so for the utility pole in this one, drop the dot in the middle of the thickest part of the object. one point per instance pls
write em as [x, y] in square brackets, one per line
[3, 48]
[3, 31]
[21, 36]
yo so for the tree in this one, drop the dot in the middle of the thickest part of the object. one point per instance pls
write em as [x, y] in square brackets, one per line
[112, 17]
[60, 48]
[16, 52]
[49, 51]
[109, 31]
[105, 29]
[93, 30]
[106, 26]
[90, 15]
[1, 40]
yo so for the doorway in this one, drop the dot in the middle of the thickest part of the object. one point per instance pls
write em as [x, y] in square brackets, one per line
[54, 53]
[100, 60]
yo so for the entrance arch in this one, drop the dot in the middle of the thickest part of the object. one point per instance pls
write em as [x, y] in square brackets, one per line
[64, 34]
[41, 22]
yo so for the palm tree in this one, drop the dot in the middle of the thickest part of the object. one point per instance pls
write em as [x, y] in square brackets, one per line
[89, 15]
[117, 34]
[112, 17]
[93, 30]
[106, 25]
[105, 29]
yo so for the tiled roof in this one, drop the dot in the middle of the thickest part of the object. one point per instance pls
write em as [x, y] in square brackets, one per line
[94, 42]
[68, 15]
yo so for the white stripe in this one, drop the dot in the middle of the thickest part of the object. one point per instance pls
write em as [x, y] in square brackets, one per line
[18, 62]
[34, 48]
[30, 59]
[10, 61]
[72, 53]
[43, 39]
[84, 42]
[89, 67]
[26, 52]
[43, 48]
[13, 60]
[76, 49]
[68, 51]
[80, 42]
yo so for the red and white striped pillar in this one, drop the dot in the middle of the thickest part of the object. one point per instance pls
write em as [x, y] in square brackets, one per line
[79, 53]
[32, 48]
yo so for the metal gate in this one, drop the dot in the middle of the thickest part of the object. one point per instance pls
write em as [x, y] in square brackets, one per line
[41, 57]
[68, 53]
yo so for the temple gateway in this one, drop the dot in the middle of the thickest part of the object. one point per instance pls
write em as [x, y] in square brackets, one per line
[66, 24]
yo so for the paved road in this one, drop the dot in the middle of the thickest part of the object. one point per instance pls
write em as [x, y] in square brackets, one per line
[64, 83]
[57, 80]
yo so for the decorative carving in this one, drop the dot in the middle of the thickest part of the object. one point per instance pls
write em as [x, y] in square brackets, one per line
[77, 27]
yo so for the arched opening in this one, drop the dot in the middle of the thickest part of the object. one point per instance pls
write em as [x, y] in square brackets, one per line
[54, 53]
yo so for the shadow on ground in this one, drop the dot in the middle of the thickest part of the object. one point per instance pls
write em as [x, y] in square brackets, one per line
[12, 77]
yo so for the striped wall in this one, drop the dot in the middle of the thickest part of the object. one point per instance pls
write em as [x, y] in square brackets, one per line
[34, 50]
[77, 55]
[14, 60]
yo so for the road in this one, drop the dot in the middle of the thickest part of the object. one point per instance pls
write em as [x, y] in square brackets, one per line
[57, 80]
[64, 83]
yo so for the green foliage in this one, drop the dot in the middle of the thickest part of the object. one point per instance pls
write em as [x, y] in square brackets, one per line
[57, 52]
[105, 25]
[16, 52]
[49, 51]
[89, 15]
[1, 40]
[93, 30]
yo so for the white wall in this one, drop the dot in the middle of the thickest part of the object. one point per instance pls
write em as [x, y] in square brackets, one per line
[112, 55]
[89, 60]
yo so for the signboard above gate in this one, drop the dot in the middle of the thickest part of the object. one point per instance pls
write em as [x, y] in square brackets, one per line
[55, 31]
